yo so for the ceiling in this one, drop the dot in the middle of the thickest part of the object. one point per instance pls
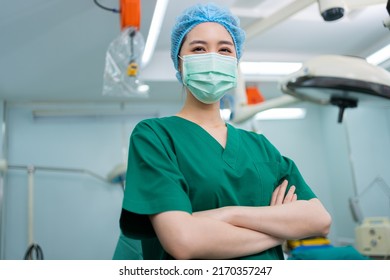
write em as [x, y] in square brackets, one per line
[54, 50]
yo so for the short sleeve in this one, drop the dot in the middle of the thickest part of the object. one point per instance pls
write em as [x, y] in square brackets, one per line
[154, 183]
[288, 170]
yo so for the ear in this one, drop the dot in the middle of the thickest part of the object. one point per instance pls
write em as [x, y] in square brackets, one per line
[179, 64]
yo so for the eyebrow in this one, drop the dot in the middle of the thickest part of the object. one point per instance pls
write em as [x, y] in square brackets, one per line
[223, 42]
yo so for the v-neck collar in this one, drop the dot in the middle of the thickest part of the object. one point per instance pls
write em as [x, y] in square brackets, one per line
[230, 152]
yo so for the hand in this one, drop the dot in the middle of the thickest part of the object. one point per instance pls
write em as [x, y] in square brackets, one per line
[279, 195]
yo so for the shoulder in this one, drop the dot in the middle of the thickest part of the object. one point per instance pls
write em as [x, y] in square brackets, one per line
[256, 141]
[154, 131]
[152, 124]
[247, 135]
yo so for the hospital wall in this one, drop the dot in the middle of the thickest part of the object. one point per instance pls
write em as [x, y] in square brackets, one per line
[76, 215]
[358, 154]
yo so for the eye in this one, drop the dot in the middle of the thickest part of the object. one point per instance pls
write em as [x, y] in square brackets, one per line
[225, 50]
[198, 49]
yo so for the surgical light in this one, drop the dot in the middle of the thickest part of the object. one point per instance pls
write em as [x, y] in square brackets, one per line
[343, 81]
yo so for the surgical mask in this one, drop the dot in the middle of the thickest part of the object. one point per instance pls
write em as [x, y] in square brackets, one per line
[209, 76]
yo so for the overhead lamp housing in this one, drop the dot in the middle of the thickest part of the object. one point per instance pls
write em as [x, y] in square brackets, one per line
[386, 22]
[342, 81]
[331, 10]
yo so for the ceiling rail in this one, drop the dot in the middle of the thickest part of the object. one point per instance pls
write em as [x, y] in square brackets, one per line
[279, 16]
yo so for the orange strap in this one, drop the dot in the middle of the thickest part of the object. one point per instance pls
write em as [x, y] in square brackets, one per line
[130, 13]
[254, 95]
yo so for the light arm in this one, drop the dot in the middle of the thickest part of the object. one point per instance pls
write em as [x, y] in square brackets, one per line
[296, 220]
[186, 236]
[285, 218]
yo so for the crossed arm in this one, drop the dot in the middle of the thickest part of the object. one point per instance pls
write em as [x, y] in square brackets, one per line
[236, 231]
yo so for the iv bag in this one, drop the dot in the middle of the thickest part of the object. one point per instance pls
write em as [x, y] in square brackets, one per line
[123, 60]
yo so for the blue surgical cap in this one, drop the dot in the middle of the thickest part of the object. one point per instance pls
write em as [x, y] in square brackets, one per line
[200, 13]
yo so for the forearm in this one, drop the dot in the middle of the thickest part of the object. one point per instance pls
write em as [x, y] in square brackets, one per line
[294, 220]
[198, 237]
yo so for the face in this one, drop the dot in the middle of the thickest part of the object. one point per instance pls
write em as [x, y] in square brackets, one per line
[208, 37]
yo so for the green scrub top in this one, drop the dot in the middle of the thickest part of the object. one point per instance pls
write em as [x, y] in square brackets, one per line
[174, 164]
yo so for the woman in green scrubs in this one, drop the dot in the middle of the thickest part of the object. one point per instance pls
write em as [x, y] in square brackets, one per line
[199, 188]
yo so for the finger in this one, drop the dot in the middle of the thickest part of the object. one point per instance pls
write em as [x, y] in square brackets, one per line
[290, 195]
[274, 195]
[282, 192]
[295, 198]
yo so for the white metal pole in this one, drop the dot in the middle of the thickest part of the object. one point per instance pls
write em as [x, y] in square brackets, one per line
[30, 208]
[3, 167]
